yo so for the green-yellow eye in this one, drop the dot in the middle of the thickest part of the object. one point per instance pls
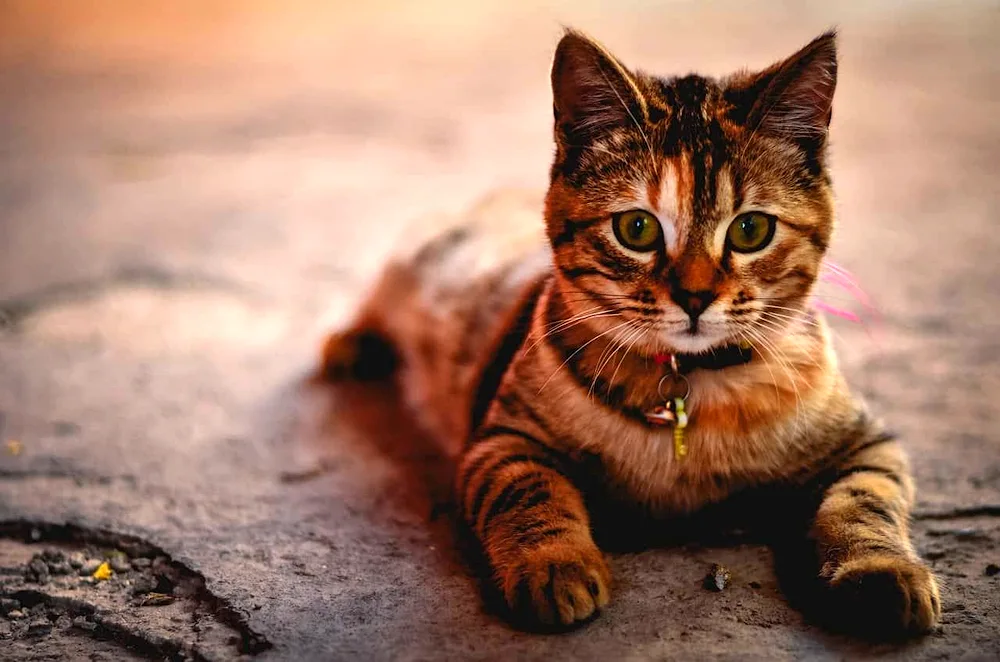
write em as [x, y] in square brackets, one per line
[637, 230]
[750, 232]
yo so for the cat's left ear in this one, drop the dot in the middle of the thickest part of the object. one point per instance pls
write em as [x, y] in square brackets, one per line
[792, 99]
[592, 92]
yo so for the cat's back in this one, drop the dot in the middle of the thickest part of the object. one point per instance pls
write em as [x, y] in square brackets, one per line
[450, 295]
[504, 226]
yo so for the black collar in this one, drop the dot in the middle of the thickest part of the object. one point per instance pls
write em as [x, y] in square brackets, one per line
[716, 359]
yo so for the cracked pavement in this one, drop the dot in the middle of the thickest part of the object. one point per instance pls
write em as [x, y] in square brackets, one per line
[190, 196]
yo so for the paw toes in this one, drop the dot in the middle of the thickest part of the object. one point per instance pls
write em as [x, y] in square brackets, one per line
[580, 601]
[559, 591]
[885, 596]
[597, 586]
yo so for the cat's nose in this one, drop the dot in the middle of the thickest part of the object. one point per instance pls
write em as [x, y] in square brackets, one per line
[693, 303]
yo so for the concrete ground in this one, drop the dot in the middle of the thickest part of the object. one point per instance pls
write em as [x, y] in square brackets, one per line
[190, 193]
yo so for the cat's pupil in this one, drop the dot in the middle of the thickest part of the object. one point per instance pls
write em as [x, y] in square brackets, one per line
[748, 227]
[638, 225]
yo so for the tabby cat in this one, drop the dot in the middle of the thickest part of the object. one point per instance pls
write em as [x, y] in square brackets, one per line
[652, 345]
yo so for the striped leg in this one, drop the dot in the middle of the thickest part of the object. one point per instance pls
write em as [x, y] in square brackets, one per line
[533, 527]
[861, 528]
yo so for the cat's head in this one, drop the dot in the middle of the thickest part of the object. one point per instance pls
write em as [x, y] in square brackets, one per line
[699, 208]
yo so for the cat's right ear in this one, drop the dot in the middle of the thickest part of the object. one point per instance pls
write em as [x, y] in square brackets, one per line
[592, 92]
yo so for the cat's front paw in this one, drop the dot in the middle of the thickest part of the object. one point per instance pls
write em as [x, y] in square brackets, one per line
[886, 596]
[557, 584]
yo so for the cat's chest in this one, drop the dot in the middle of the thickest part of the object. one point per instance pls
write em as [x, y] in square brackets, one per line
[743, 430]
[646, 465]
[643, 465]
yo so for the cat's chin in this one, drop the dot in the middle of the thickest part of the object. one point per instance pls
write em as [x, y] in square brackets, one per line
[697, 343]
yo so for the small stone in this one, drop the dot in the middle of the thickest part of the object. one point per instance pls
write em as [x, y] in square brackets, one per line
[119, 563]
[143, 584]
[6, 629]
[39, 626]
[65, 428]
[89, 567]
[82, 623]
[8, 605]
[41, 610]
[64, 622]
[992, 570]
[76, 560]
[161, 565]
[141, 563]
[38, 570]
[15, 614]
[60, 568]
[717, 578]
[36, 535]
[52, 555]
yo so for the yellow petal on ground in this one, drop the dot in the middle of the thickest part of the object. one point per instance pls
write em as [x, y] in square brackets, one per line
[14, 447]
[103, 572]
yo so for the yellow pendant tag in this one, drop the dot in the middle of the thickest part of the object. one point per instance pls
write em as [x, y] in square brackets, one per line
[680, 448]
[672, 412]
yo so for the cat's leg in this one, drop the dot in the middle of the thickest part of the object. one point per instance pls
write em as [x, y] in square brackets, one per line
[357, 353]
[878, 583]
[533, 527]
[366, 349]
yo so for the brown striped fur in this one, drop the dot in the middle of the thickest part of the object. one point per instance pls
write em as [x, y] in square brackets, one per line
[536, 354]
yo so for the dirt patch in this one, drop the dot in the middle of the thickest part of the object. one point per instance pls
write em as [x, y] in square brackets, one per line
[59, 584]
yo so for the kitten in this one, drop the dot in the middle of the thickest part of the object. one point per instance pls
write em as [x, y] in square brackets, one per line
[651, 346]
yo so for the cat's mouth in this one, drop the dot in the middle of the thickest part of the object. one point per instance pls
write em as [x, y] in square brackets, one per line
[696, 337]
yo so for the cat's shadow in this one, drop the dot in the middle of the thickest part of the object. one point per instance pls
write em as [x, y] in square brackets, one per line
[369, 419]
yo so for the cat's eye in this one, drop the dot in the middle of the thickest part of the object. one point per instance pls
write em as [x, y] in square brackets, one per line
[750, 232]
[637, 230]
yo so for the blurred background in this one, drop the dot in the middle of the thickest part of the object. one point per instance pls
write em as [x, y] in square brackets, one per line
[192, 191]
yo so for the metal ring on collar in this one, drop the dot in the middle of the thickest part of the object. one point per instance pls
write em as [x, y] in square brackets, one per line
[687, 385]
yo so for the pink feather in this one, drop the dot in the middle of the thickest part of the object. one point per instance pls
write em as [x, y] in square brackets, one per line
[839, 277]
[839, 312]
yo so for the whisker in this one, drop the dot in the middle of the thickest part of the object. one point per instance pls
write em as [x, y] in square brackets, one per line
[774, 380]
[614, 347]
[567, 324]
[778, 356]
[580, 349]
[641, 332]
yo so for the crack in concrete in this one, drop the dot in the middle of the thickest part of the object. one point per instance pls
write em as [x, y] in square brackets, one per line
[984, 510]
[105, 627]
[126, 626]
[14, 311]
[78, 477]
